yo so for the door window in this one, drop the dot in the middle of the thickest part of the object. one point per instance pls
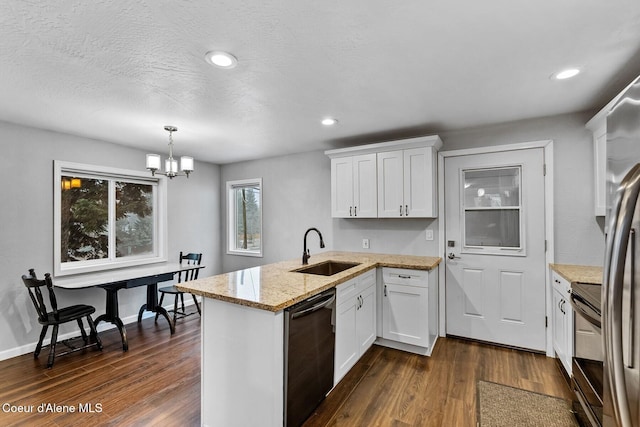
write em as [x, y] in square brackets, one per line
[492, 209]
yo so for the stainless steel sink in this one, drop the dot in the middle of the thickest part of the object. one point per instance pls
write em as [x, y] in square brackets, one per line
[326, 268]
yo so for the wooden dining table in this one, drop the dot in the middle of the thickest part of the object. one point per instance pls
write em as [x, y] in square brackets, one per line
[114, 280]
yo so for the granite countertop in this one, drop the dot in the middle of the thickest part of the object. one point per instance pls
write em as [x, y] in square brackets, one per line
[274, 287]
[579, 273]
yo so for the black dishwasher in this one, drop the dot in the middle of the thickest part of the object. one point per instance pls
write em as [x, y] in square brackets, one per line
[309, 343]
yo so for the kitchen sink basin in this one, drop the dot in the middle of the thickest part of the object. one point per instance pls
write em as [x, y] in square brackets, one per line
[327, 268]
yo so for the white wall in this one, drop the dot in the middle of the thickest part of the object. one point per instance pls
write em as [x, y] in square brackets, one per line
[297, 196]
[26, 235]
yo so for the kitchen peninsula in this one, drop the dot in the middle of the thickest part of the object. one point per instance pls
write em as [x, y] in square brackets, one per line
[242, 366]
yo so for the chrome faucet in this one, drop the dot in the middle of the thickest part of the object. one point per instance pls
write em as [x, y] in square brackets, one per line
[305, 251]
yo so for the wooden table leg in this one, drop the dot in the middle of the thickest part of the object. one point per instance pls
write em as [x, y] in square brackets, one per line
[111, 315]
[153, 306]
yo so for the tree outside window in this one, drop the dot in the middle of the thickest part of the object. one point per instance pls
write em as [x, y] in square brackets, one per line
[105, 219]
[245, 217]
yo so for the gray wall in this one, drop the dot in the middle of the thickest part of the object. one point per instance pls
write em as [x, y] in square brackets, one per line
[297, 196]
[579, 236]
[26, 235]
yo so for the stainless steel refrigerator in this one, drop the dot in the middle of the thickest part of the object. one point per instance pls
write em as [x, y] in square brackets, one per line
[621, 278]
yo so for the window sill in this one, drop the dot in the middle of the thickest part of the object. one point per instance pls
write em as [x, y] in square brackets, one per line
[245, 253]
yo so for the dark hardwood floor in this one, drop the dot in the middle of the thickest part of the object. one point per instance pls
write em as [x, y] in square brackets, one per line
[157, 383]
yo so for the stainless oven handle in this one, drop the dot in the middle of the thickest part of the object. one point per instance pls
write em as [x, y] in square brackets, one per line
[577, 302]
[320, 305]
[612, 289]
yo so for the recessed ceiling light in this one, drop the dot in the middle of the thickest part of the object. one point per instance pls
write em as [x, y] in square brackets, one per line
[567, 74]
[329, 121]
[221, 59]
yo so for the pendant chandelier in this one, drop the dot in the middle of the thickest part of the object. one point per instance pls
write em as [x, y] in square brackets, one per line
[171, 164]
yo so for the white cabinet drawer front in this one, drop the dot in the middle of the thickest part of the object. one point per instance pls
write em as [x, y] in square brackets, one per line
[403, 276]
[558, 282]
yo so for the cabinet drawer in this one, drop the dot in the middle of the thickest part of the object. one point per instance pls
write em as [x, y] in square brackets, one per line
[559, 283]
[401, 276]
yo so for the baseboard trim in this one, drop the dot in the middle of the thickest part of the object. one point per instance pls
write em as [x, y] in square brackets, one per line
[423, 351]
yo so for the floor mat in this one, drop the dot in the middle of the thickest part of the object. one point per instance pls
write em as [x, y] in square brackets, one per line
[500, 405]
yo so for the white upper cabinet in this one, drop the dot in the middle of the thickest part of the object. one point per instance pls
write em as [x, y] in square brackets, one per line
[406, 183]
[386, 180]
[353, 186]
[390, 183]
[598, 126]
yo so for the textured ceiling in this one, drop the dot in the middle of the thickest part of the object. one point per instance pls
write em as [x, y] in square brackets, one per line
[119, 71]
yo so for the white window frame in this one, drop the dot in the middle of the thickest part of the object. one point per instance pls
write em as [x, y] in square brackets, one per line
[231, 215]
[159, 183]
[496, 250]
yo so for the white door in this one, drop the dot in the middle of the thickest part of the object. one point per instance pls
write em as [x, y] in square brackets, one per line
[405, 314]
[346, 351]
[341, 187]
[418, 182]
[495, 244]
[365, 197]
[558, 323]
[366, 320]
[390, 183]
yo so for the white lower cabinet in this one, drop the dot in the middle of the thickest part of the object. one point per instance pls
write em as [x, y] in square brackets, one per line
[409, 307]
[404, 314]
[562, 321]
[355, 321]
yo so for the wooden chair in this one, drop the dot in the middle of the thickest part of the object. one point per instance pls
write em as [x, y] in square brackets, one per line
[191, 259]
[57, 316]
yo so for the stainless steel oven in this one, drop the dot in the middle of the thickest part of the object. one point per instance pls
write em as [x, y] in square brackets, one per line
[587, 379]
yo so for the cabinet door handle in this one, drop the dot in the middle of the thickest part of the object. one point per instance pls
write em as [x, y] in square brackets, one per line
[385, 290]
[406, 210]
[350, 208]
[355, 211]
[400, 210]
[403, 276]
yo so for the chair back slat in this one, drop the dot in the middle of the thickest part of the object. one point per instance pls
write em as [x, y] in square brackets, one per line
[191, 259]
[52, 295]
[34, 286]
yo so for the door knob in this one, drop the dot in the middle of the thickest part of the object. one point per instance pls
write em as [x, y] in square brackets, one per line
[452, 256]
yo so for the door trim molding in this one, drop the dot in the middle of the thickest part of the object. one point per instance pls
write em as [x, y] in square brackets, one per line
[547, 147]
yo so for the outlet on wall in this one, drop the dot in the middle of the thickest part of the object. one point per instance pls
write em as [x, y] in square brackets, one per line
[429, 235]
[365, 243]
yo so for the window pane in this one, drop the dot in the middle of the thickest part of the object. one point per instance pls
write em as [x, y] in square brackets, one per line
[248, 233]
[134, 219]
[492, 227]
[84, 219]
[498, 187]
